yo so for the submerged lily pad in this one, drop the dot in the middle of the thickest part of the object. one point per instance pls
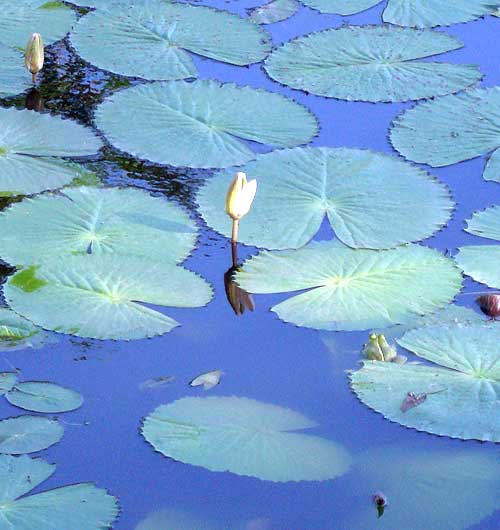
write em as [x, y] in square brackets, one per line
[95, 221]
[353, 289]
[7, 381]
[451, 129]
[274, 11]
[151, 39]
[104, 297]
[17, 333]
[245, 437]
[29, 145]
[28, 434]
[371, 63]
[40, 396]
[371, 200]
[79, 506]
[462, 385]
[201, 124]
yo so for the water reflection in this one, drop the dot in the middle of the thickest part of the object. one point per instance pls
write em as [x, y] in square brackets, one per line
[34, 100]
[239, 299]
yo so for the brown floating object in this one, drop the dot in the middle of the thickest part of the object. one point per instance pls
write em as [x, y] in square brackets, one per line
[490, 305]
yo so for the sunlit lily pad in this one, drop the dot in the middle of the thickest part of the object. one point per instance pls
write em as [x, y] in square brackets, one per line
[17, 333]
[151, 39]
[353, 289]
[79, 506]
[274, 11]
[7, 381]
[451, 129]
[104, 297]
[371, 200]
[14, 79]
[371, 63]
[201, 124]
[462, 385]
[30, 144]
[40, 396]
[28, 434]
[245, 437]
[95, 221]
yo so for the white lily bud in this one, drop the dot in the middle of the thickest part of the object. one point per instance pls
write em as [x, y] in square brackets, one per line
[35, 55]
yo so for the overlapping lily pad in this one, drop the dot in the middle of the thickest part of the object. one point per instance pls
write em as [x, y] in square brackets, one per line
[461, 386]
[41, 396]
[452, 129]
[79, 506]
[104, 297]
[30, 146]
[371, 63]
[371, 200]
[245, 437]
[274, 11]
[353, 289]
[7, 381]
[28, 434]
[201, 124]
[151, 39]
[17, 333]
[95, 221]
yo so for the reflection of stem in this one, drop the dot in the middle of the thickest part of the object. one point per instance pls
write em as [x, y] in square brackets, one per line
[33, 78]
[234, 235]
[234, 253]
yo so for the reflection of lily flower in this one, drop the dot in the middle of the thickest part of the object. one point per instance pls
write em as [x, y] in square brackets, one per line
[236, 296]
[240, 196]
[34, 100]
[490, 305]
[34, 56]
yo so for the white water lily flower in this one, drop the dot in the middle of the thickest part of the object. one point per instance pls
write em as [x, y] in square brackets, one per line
[208, 380]
[240, 196]
[35, 55]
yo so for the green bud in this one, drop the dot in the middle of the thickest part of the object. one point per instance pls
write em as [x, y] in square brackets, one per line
[371, 350]
[389, 352]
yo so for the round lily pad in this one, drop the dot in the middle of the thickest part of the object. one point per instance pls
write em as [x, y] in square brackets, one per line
[274, 11]
[341, 7]
[40, 396]
[14, 79]
[28, 434]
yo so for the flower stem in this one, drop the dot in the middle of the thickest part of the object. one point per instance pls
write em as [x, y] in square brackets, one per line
[33, 78]
[234, 235]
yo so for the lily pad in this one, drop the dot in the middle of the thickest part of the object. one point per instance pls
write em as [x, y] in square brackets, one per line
[28, 434]
[17, 333]
[274, 11]
[151, 39]
[40, 396]
[14, 79]
[104, 297]
[371, 63]
[462, 384]
[245, 437]
[341, 7]
[29, 145]
[353, 289]
[371, 200]
[450, 129]
[201, 124]
[95, 221]
[7, 381]
[79, 506]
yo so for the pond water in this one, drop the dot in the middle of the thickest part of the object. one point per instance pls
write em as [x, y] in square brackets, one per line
[262, 357]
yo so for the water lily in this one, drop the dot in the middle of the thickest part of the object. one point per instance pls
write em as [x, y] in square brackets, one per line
[239, 199]
[378, 349]
[34, 56]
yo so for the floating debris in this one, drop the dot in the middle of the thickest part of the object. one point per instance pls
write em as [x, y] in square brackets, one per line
[208, 380]
[380, 501]
[490, 305]
[156, 382]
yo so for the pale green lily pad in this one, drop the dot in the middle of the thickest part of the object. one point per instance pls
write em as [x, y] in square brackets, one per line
[14, 78]
[28, 434]
[371, 63]
[151, 39]
[462, 385]
[7, 381]
[372, 200]
[341, 7]
[450, 129]
[353, 289]
[95, 221]
[274, 11]
[79, 506]
[485, 223]
[492, 169]
[245, 437]
[201, 124]
[40, 396]
[104, 297]
[30, 146]
[17, 333]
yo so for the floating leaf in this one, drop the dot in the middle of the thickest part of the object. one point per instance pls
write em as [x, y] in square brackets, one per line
[95, 221]
[156, 382]
[367, 197]
[371, 63]
[7, 381]
[28, 434]
[341, 7]
[80, 506]
[17, 333]
[245, 437]
[450, 129]
[208, 380]
[104, 297]
[201, 124]
[38, 396]
[274, 11]
[29, 143]
[149, 39]
[353, 289]
[13, 78]
[464, 382]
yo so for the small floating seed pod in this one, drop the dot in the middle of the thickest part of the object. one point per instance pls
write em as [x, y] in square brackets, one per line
[490, 305]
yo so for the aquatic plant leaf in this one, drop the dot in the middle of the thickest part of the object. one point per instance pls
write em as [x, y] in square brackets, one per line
[245, 437]
[95, 221]
[29, 143]
[341, 7]
[7, 381]
[104, 297]
[353, 289]
[367, 197]
[151, 38]
[274, 11]
[371, 63]
[201, 124]
[41, 396]
[492, 169]
[450, 129]
[13, 78]
[485, 223]
[17, 333]
[461, 385]
[81, 506]
[28, 434]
